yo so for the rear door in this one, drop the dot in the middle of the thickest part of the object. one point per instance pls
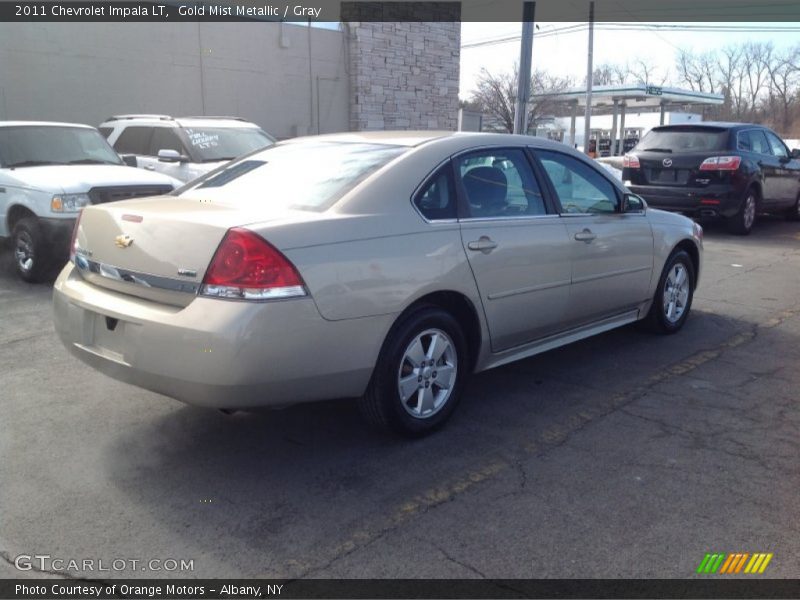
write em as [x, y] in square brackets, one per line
[516, 245]
[611, 252]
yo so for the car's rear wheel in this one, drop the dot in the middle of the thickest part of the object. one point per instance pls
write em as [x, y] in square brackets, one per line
[674, 295]
[420, 374]
[742, 222]
[31, 258]
[793, 214]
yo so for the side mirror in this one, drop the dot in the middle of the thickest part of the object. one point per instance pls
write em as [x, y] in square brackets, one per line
[165, 155]
[795, 153]
[129, 159]
[631, 203]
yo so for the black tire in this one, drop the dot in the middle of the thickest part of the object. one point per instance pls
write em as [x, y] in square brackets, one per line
[382, 404]
[742, 222]
[657, 319]
[32, 257]
[793, 214]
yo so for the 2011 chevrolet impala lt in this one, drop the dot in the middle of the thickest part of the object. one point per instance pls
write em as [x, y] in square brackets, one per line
[383, 266]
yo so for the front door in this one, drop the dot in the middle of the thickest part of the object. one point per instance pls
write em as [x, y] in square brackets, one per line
[611, 251]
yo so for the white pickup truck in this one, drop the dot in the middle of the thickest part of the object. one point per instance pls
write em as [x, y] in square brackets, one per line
[48, 172]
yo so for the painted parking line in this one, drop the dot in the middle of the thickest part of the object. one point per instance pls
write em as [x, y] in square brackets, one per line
[548, 439]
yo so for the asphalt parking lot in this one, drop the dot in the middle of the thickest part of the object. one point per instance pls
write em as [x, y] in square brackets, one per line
[627, 455]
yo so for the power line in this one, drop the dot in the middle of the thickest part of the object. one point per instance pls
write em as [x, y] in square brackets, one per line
[651, 27]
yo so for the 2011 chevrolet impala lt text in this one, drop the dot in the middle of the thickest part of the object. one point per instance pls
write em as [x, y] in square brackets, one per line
[380, 266]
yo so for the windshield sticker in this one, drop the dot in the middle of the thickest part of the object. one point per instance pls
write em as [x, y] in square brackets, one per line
[202, 140]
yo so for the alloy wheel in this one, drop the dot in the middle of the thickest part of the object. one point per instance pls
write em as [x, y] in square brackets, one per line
[676, 293]
[749, 214]
[427, 373]
[24, 252]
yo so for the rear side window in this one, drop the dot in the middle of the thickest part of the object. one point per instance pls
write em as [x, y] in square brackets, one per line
[753, 140]
[437, 200]
[684, 139]
[580, 188]
[305, 175]
[499, 183]
[777, 147]
[134, 140]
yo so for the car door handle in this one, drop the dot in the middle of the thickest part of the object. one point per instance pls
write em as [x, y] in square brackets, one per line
[585, 236]
[484, 244]
[150, 167]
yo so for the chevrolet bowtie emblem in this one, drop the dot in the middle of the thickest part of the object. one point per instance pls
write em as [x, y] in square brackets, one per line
[123, 241]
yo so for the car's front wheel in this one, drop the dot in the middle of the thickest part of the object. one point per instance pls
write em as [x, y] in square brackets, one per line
[742, 222]
[420, 373]
[31, 257]
[674, 295]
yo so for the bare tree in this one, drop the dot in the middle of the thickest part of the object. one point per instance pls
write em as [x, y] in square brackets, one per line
[756, 58]
[645, 73]
[730, 73]
[611, 74]
[496, 95]
[699, 71]
[784, 78]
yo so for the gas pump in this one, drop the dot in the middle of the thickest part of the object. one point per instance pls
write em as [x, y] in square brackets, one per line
[631, 138]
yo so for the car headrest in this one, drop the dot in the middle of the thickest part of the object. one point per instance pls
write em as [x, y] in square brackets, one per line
[486, 187]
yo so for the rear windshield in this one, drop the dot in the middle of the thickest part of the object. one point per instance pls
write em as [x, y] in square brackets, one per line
[304, 175]
[683, 139]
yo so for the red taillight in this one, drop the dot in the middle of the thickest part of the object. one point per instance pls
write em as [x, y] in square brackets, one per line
[721, 163]
[247, 267]
[630, 161]
[73, 243]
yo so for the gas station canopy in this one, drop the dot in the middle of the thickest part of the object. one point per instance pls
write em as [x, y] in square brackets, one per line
[619, 99]
[638, 96]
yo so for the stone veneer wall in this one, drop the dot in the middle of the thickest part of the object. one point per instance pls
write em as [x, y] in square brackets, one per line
[404, 75]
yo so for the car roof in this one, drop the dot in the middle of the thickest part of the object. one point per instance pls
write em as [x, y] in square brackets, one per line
[713, 125]
[465, 139]
[189, 121]
[42, 124]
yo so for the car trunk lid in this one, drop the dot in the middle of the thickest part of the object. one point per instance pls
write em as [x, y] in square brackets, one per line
[157, 248]
[670, 169]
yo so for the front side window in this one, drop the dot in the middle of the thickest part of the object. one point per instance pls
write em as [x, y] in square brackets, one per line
[31, 145]
[500, 183]
[777, 147]
[304, 175]
[165, 138]
[437, 199]
[580, 188]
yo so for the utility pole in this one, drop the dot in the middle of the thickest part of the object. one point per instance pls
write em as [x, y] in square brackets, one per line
[587, 128]
[524, 82]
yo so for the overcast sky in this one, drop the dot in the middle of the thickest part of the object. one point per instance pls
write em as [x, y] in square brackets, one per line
[565, 53]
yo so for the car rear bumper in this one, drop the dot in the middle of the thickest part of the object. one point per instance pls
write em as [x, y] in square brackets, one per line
[217, 353]
[711, 201]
